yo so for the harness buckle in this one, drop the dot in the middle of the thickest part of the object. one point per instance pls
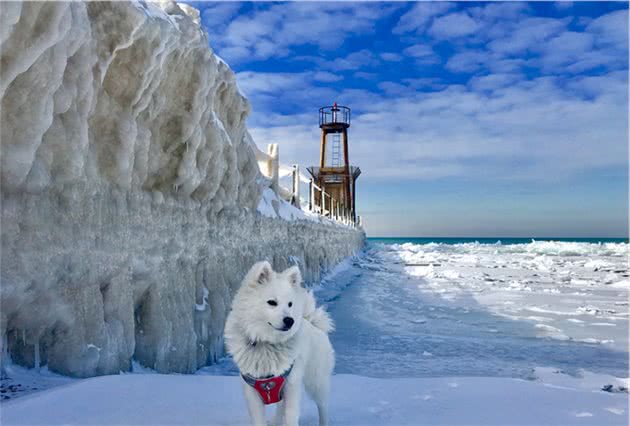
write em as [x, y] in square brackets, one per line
[269, 388]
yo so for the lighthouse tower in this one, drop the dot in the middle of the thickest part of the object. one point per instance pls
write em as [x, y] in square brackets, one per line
[335, 176]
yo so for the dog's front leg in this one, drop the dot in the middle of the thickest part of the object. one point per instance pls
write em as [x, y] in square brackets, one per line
[255, 406]
[278, 419]
[291, 405]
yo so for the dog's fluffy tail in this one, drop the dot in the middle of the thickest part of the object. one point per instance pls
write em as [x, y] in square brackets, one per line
[317, 316]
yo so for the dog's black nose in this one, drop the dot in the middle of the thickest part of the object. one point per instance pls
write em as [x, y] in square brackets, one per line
[288, 322]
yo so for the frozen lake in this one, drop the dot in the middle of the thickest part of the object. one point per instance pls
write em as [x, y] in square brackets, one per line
[430, 310]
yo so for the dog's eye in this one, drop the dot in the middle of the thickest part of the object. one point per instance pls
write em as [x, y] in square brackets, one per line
[290, 304]
[272, 302]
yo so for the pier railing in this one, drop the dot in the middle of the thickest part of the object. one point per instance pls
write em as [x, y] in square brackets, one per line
[270, 167]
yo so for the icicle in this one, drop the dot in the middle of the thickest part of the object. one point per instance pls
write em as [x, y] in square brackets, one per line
[5, 346]
[4, 357]
[37, 359]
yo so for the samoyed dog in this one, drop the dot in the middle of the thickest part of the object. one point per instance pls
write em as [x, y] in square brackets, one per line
[279, 341]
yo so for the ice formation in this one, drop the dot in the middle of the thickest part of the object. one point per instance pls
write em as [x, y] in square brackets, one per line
[120, 94]
[129, 190]
[481, 309]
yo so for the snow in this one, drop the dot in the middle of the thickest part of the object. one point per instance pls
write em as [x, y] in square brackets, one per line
[557, 279]
[480, 310]
[22, 381]
[336, 280]
[265, 207]
[272, 206]
[155, 399]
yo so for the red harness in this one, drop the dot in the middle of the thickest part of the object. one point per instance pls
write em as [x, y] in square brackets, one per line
[269, 388]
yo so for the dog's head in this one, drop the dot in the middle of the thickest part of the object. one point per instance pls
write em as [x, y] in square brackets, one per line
[271, 304]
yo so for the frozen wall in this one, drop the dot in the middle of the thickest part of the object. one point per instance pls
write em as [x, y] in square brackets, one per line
[120, 94]
[129, 190]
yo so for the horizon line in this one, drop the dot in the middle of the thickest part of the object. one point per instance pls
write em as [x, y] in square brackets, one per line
[627, 238]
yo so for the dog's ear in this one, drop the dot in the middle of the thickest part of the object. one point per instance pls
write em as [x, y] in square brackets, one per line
[294, 275]
[260, 273]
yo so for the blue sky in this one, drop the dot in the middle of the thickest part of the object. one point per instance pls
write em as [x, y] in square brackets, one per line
[469, 119]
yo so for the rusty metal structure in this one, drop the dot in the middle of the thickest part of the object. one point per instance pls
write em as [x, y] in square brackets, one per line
[335, 175]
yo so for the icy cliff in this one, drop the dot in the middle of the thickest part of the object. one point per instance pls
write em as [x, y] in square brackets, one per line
[122, 94]
[129, 190]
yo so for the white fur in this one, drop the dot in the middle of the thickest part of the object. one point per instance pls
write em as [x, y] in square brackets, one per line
[305, 344]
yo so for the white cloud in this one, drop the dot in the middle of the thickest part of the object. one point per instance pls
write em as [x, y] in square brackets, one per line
[499, 125]
[526, 34]
[569, 43]
[453, 26]
[604, 43]
[493, 81]
[353, 61]
[500, 11]
[565, 49]
[422, 54]
[418, 17]
[271, 93]
[253, 83]
[393, 88]
[541, 43]
[326, 77]
[365, 75]
[517, 111]
[273, 29]
[503, 38]
[611, 28]
[503, 65]
[217, 15]
[391, 57]
[419, 51]
[425, 83]
[468, 62]
[563, 5]
[494, 128]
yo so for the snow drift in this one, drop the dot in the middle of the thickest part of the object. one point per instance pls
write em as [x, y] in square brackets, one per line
[129, 190]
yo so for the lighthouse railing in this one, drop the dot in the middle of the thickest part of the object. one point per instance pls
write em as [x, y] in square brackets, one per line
[334, 114]
[271, 168]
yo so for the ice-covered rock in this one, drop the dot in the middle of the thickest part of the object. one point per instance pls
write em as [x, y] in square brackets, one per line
[129, 190]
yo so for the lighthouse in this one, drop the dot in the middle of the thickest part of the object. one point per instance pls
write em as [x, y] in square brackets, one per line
[335, 176]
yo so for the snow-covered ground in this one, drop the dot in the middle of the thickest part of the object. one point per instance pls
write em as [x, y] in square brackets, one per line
[152, 399]
[468, 334]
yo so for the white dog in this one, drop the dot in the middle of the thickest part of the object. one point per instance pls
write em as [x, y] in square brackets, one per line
[279, 340]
